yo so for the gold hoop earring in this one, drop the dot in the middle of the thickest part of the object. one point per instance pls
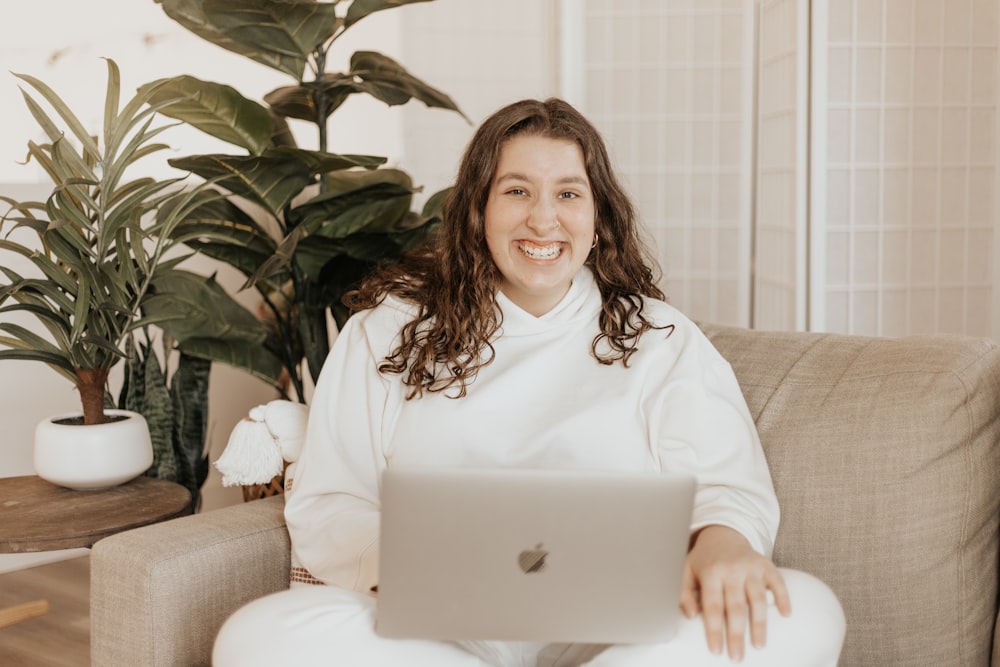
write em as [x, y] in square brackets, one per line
[595, 242]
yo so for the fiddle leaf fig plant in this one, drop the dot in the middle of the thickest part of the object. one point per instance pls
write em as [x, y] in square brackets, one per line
[303, 225]
[96, 244]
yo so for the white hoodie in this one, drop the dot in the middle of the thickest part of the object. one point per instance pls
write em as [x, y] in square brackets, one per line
[544, 402]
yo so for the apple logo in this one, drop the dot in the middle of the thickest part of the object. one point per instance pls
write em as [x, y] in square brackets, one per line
[532, 560]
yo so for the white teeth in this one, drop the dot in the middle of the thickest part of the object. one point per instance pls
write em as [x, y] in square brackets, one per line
[541, 252]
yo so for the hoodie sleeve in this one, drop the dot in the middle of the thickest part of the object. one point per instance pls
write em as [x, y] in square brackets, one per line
[705, 429]
[333, 511]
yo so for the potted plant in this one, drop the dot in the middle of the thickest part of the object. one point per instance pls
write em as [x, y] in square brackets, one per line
[96, 247]
[303, 225]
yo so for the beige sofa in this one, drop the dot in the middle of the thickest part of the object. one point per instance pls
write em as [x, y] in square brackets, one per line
[885, 457]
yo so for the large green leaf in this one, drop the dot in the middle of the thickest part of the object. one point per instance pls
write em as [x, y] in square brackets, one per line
[379, 202]
[280, 34]
[299, 101]
[271, 181]
[339, 277]
[224, 232]
[390, 82]
[316, 252]
[220, 221]
[348, 181]
[209, 324]
[243, 259]
[362, 8]
[211, 208]
[275, 178]
[371, 74]
[335, 215]
[187, 305]
[191, 15]
[216, 109]
[287, 31]
[417, 235]
[322, 162]
[242, 354]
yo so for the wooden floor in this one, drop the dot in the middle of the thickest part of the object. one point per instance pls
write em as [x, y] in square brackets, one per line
[60, 637]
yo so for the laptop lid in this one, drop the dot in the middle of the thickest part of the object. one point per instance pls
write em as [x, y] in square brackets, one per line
[532, 555]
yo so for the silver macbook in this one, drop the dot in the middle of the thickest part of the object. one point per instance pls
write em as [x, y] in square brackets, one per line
[532, 555]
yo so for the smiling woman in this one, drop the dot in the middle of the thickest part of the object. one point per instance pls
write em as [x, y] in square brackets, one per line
[515, 341]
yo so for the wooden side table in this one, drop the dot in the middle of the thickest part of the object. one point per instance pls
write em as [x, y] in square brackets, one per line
[36, 515]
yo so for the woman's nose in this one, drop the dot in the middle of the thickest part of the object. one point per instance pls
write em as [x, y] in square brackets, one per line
[543, 217]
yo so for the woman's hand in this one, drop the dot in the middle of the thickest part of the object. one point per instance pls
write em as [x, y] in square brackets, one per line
[727, 581]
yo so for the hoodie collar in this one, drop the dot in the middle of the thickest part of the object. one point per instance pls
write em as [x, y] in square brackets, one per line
[582, 301]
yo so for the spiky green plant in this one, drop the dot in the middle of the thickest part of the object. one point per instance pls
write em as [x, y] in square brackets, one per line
[96, 244]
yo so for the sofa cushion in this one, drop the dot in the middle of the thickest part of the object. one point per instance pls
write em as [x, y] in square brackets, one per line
[885, 460]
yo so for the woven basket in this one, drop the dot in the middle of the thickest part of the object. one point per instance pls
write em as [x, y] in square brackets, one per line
[275, 487]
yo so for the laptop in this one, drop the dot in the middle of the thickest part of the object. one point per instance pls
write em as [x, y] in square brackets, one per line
[531, 555]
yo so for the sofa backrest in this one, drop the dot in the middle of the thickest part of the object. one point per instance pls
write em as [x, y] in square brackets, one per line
[885, 458]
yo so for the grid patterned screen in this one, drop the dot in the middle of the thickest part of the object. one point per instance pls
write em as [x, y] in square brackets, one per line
[910, 172]
[822, 164]
[668, 83]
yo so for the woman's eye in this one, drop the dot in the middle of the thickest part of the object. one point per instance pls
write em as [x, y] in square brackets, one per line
[516, 191]
[568, 195]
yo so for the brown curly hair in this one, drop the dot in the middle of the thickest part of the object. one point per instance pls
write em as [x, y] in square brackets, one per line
[454, 281]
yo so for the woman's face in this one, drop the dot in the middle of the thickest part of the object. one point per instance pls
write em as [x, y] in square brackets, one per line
[539, 220]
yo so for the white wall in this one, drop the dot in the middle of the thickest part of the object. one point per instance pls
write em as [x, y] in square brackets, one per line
[484, 54]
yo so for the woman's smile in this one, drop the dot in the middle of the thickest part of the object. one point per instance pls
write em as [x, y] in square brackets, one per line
[538, 251]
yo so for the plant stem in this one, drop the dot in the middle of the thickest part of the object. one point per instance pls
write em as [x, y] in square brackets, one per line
[322, 105]
[90, 382]
[287, 352]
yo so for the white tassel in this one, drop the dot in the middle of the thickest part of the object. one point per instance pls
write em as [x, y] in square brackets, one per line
[251, 456]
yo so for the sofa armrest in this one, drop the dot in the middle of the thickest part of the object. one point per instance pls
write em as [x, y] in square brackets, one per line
[160, 593]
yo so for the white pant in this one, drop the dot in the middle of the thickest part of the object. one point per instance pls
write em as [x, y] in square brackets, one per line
[324, 626]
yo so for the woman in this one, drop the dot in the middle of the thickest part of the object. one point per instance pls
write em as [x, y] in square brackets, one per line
[532, 334]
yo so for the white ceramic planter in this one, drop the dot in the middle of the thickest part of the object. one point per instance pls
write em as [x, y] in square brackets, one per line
[96, 456]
